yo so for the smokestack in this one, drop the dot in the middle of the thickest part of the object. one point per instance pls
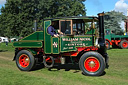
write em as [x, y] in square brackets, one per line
[101, 40]
[101, 26]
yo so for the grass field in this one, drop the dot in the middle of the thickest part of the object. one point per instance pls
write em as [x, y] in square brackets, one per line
[117, 74]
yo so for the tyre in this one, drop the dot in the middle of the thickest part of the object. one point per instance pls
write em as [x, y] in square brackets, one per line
[48, 61]
[123, 44]
[92, 64]
[25, 61]
[107, 45]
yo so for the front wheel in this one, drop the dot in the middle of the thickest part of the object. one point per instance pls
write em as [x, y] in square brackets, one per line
[25, 61]
[107, 45]
[92, 64]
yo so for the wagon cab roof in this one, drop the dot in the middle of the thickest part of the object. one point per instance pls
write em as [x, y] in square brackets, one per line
[74, 17]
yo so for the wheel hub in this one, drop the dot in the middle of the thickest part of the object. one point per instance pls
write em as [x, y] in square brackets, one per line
[27, 60]
[24, 60]
[91, 64]
[125, 44]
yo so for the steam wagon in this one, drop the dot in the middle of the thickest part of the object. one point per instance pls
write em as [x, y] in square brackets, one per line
[116, 41]
[82, 42]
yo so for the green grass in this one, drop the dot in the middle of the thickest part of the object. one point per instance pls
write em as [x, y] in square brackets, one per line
[3, 47]
[117, 74]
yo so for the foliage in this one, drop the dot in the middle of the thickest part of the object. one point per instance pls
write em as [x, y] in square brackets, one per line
[17, 16]
[114, 21]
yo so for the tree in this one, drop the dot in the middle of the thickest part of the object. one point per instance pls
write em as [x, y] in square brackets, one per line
[114, 21]
[17, 16]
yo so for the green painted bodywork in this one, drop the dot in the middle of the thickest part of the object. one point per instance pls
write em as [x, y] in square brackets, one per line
[69, 43]
[90, 32]
[28, 44]
[58, 45]
[38, 35]
[110, 36]
[32, 51]
[33, 40]
[53, 45]
[47, 38]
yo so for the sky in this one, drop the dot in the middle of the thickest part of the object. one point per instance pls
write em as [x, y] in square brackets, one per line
[97, 6]
[2, 2]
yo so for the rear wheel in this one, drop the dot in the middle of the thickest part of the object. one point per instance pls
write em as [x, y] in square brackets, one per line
[124, 44]
[107, 45]
[25, 61]
[92, 64]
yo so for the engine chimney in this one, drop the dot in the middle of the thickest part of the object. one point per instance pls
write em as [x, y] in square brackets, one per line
[101, 41]
[101, 27]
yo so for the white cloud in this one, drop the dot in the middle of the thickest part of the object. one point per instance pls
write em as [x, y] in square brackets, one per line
[2, 2]
[121, 6]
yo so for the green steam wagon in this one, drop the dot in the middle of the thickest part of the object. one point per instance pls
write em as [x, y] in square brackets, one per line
[85, 46]
[116, 41]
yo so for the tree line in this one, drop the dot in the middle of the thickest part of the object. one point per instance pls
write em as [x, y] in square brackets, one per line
[114, 22]
[17, 16]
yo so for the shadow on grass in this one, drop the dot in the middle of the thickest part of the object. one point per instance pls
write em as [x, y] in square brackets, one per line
[3, 50]
[57, 67]
[103, 73]
[38, 67]
[66, 67]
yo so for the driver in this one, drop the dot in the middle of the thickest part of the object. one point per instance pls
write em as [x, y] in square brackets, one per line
[52, 31]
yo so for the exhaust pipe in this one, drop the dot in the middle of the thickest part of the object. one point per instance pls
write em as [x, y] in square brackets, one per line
[101, 27]
[101, 40]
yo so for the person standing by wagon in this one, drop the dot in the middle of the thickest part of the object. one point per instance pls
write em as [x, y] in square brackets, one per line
[6, 41]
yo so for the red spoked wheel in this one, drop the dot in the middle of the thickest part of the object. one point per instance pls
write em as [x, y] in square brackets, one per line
[123, 44]
[92, 64]
[24, 60]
